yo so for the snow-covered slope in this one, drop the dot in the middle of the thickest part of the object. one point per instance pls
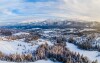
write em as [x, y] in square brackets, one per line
[92, 55]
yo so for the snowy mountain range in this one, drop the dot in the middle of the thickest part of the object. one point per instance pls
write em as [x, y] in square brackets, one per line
[55, 23]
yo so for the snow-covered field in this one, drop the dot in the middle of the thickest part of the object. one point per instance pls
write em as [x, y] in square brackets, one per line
[15, 47]
[19, 46]
[39, 61]
[45, 61]
[92, 55]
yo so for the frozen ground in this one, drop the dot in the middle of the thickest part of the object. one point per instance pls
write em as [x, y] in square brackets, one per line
[92, 55]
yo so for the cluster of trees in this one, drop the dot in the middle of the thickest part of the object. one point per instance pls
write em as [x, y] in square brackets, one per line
[31, 38]
[61, 40]
[86, 44]
[28, 37]
[71, 40]
[5, 32]
[57, 52]
[16, 57]
[15, 37]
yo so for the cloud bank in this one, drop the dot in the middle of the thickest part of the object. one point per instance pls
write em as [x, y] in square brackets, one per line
[21, 10]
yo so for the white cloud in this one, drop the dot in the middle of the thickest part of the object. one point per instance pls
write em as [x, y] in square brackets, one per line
[81, 9]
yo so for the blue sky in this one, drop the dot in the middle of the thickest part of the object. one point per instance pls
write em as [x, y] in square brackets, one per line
[31, 10]
[38, 0]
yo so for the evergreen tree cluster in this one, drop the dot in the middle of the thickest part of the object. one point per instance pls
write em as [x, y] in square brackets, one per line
[57, 52]
[88, 44]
